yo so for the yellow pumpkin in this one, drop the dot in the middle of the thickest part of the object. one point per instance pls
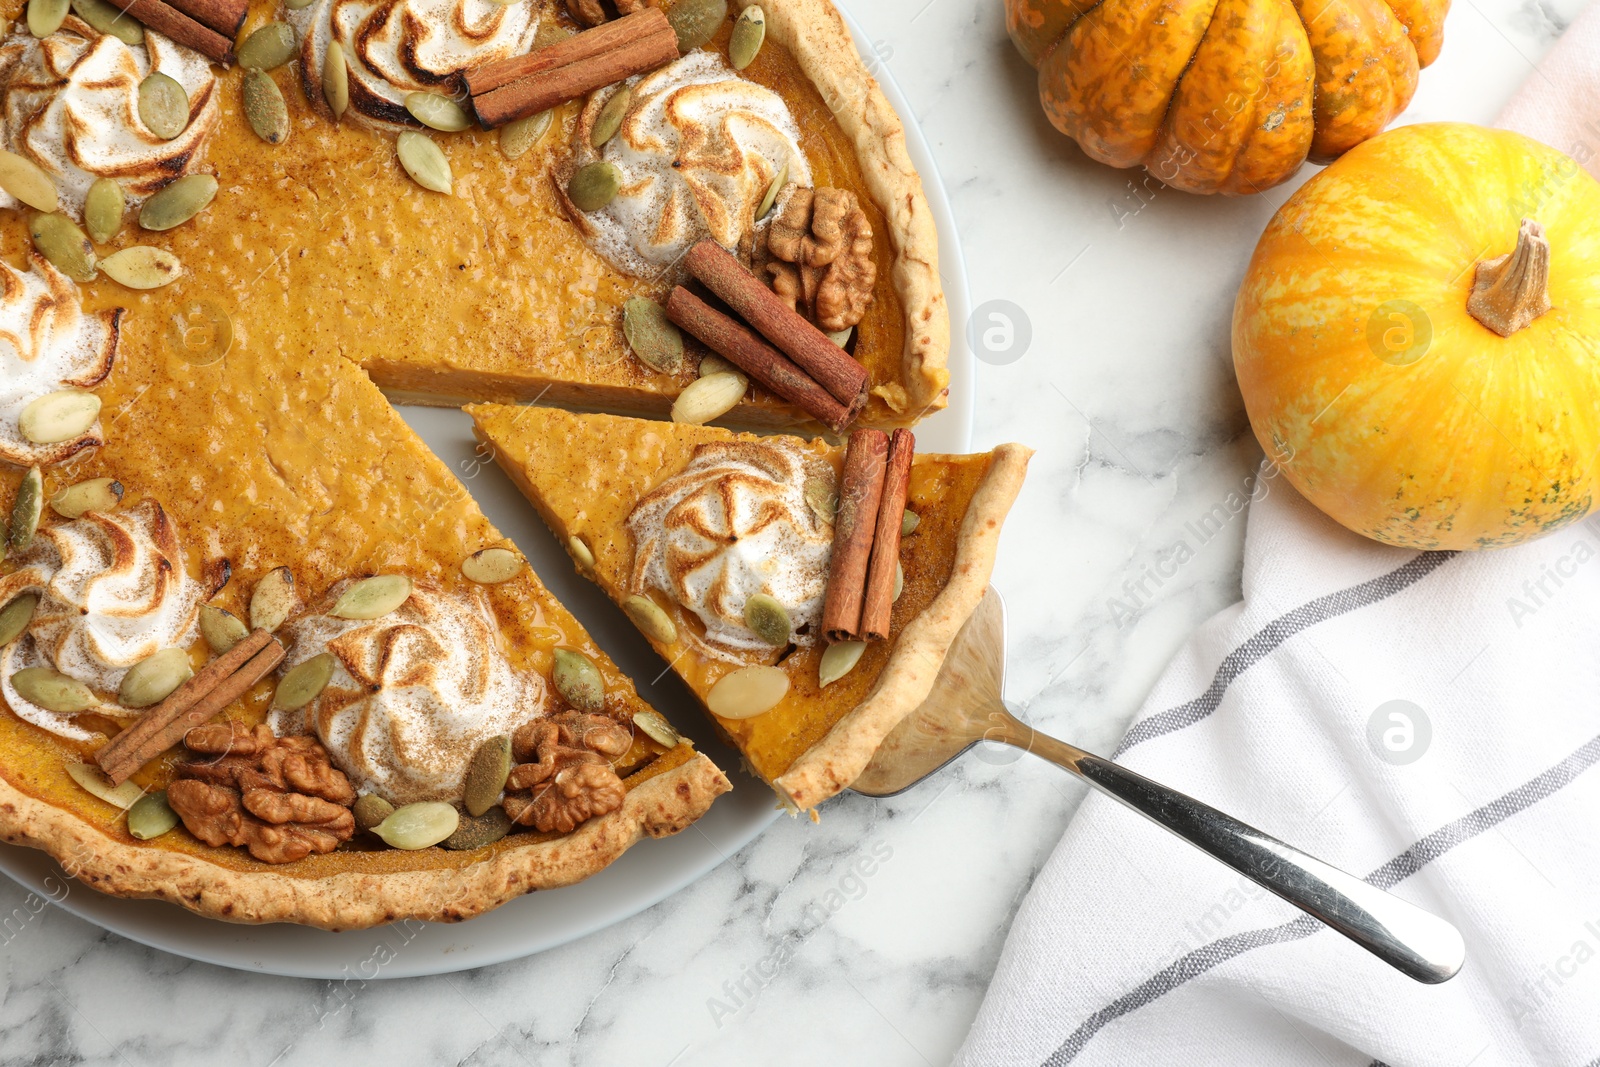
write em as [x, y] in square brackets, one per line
[1418, 338]
[1224, 96]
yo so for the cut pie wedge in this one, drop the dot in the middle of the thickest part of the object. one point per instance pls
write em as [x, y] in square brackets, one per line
[718, 545]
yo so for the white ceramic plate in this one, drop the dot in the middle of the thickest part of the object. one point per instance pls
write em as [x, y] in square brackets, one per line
[650, 871]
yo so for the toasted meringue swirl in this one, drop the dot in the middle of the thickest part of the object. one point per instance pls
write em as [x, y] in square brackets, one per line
[413, 694]
[698, 148]
[48, 342]
[731, 524]
[112, 590]
[71, 104]
[396, 47]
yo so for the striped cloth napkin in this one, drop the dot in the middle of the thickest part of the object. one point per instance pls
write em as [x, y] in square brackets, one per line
[1429, 721]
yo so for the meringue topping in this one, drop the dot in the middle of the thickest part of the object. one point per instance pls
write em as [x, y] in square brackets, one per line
[413, 693]
[47, 343]
[731, 524]
[698, 148]
[70, 103]
[397, 47]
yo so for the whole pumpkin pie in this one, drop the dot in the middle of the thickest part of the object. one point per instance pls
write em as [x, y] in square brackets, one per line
[722, 548]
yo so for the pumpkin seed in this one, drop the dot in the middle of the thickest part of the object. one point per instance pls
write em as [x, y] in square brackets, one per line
[838, 660]
[152, 679]
[424, 161]
[264, 108]
[770, 197]
[749, 30]
[268, 48]
[709, 398]
[486, 775]
[26, 510]
[178, 202]
[594, 185]
[59, 416]
[580, 552]
[151, 816]
[437, 112]
[142, 267]
[335, 80]
[491, 566]
[15, 616]
[578, 680]
[94, 780]
[96, 494]
[765, 617]
[52, 691]
[420, 825]
[842, 337]
[609, 121]
[909, 523]
[273, 600]
[103, 208]
[163, 105]
[899, 580]
[479, 831]
[747, 692]
[59, 240]
[657, 728]
[108, 18]
[652, 336]
[23, 179]
[370, 810]
[519, 136]
[696, 21]
[821, 499]
[221, 628]
[649, 617]
[710, 365]
[298, 5]
[45, 17]
[372, 598]
[303, 683]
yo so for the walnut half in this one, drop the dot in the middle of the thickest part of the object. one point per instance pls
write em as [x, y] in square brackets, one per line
[819, 250]
[593, 12]
[565, 771]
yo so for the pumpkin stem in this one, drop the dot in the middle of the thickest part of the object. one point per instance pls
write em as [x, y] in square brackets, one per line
[1512, 290]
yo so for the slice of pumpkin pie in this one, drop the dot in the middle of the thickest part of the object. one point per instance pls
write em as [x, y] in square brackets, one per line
[807, 593]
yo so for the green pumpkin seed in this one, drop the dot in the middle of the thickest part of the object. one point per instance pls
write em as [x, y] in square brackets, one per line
[710, 365]
[372, 598]
[821, 498]
[152, 679]
[59, 240]
[222, 629]
[52, 691]
[298, 5]
[142, 267]
[25, 181]
[709, 398]
[178, 202]
[273, 600]
[479, 831]
[335, 80]
[765, 617]
[268, 48]
[96, 494]
[696, 21]
[109, 18]
[26, 510]
[421, 825]
[657, 728]
[838, 660]
[163, 105]
[59, 416]
[842, 337]
[651, 618]
[94, 780]
[103, 208]
[45, 17]
[899, 580]
[652, 336]
[580, 552]
[151, 816]
[594, 185]
[749, 30]
[519, 136]
[909, 523]
[370, 810]
[264, 108]
[437, 112]
[747, 692]
[303, 683]
[609, 121]
[425, 162]
[779, 180]
[578, 680]
[491, 566]
[15, 616]
[486, 775]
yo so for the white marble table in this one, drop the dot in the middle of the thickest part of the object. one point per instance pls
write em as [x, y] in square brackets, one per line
[788, 953]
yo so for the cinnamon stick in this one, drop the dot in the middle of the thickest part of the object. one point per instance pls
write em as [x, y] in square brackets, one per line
[526, 85]
[854, 522]
[785, 327]
[223, 16]
[173, 23]
[878, 600]
[221, 682]
[771, 368]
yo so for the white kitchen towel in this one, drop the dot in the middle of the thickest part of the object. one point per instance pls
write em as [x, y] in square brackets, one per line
[1429, 721]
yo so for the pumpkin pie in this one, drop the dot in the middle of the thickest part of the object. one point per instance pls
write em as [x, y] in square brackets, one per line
[721, 547]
